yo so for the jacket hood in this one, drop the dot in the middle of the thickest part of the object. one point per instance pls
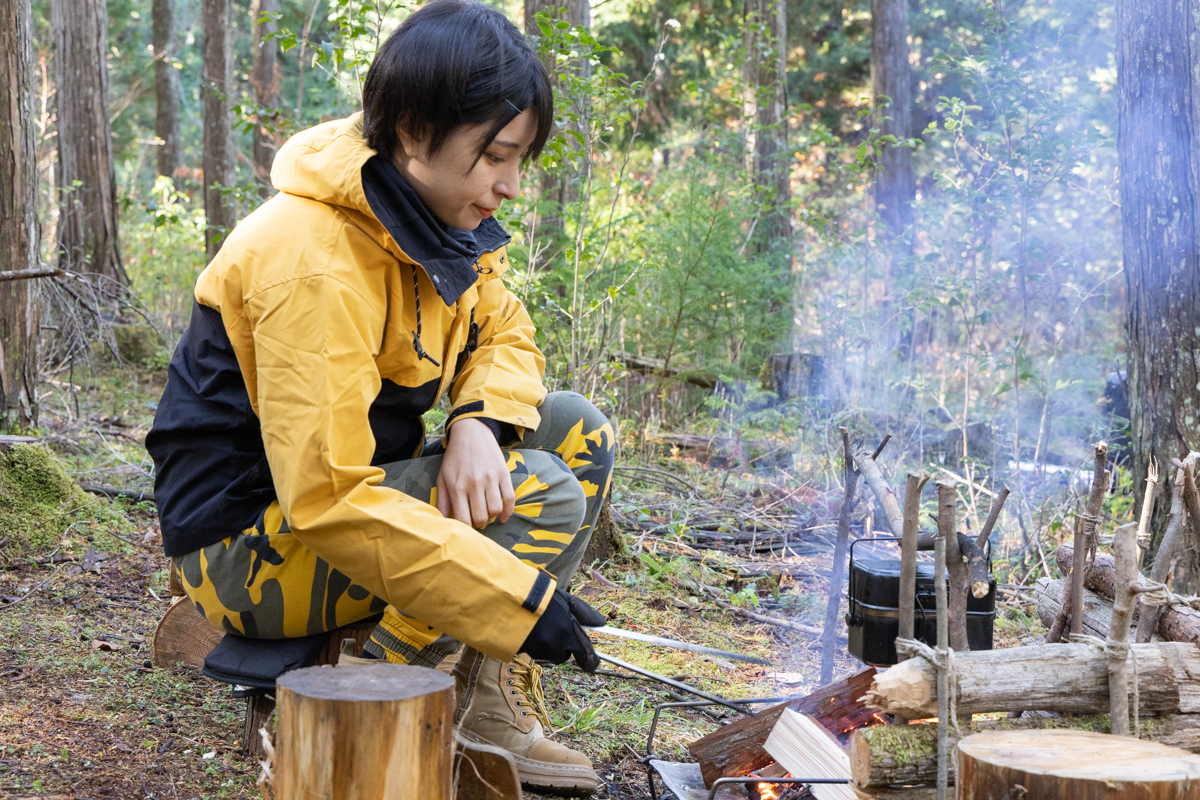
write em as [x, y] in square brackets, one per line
[332, 163]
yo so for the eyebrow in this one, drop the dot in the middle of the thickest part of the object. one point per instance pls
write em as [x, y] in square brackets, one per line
[513, 145]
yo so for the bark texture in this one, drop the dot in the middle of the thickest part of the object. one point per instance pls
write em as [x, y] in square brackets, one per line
[265, 78]
[1069, 678]
[766, 114]
[18, 222]
[1097, 609]
[1158, 161]
[891, 81]
[888, 755]
[87, 222]
[555, 191]
[166, 90]
[220, 152]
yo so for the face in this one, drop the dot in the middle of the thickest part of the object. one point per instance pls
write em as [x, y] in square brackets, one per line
[460, 190]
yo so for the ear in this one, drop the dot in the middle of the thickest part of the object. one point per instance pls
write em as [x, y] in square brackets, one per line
[408, 145]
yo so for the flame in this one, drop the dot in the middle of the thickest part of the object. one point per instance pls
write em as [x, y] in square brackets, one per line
[766, 791]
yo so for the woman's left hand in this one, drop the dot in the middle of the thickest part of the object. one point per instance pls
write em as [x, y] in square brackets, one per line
[473, 485]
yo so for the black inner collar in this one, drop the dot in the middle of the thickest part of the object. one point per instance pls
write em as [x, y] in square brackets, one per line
[446, 254]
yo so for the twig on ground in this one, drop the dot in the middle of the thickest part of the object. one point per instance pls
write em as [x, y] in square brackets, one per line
[34, 589]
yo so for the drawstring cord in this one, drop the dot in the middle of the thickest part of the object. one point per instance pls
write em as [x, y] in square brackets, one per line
[417, 333]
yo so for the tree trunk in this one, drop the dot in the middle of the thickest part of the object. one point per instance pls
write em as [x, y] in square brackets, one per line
[555, 191]
[87, 221]
[1156, 151]
[265, 77]
[891, 81]
[1073, 765]
[369, 732]
[220, 153]
[1069, 678]
[889, 755]
[765, 112]
[166, 90]
[18, 223]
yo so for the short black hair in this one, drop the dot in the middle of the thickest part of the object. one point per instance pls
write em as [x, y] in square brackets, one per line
[452, 63]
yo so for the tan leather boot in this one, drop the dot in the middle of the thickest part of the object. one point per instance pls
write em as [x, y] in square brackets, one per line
[502, 704]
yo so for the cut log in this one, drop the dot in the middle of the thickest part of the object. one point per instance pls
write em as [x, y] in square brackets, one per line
[184, 637]
[1175, 623]
[888, 755]
[737, 748]
[804, 748]
[1069, 678]
[1097, 609]
[1073, 765]
[484, 772]
[368, 732]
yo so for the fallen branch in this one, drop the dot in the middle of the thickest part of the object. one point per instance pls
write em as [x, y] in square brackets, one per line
[874, 479]
[837, 568]
[26, 274]
[776, 621]
[136, 495]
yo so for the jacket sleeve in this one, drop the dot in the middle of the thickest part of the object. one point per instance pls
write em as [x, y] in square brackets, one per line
[315, 341]
[502, 378]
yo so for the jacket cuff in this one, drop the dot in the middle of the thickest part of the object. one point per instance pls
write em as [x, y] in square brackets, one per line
[503, 431]
[514, 418]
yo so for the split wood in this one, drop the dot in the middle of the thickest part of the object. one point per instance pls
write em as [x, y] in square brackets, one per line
[1086, 537]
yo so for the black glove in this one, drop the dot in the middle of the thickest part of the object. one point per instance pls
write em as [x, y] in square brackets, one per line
[558, 636]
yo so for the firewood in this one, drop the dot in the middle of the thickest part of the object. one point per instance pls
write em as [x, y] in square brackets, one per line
[1097, 609]
[737, 748]
[802, 747]
[371, 732]
[1073, 764]
[1069, 678]
[1176, 623]
[888, 755]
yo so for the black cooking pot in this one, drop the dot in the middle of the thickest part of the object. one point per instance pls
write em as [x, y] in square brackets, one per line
[874, 600]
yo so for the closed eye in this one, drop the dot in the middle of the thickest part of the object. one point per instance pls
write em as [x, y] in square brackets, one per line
[495, 159]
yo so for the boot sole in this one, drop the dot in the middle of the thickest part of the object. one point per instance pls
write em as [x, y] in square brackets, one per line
[571, 780]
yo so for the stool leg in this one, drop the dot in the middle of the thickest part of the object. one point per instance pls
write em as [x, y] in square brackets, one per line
[258, 713]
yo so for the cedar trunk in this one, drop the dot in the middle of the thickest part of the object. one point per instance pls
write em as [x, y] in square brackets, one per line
[766, 115]
[166, 90]
[265, 77]
[87, 221]
[556, 191]
[220, 153]
[1156, 148]
[18, 223]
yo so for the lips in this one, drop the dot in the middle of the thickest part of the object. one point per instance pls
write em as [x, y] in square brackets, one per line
[484, 212]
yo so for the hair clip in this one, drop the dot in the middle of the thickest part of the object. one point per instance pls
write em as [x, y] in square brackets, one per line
[514, 105]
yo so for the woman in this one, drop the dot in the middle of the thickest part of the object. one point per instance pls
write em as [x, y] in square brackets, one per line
[296, 489]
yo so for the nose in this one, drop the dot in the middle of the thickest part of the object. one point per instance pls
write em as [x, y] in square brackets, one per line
[509, 184]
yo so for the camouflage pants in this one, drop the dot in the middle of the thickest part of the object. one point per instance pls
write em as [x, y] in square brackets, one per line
[263, 583]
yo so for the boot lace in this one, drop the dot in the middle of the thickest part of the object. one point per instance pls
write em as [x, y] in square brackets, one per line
[527, 680]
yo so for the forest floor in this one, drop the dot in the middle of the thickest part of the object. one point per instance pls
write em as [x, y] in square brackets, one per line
[85, 714]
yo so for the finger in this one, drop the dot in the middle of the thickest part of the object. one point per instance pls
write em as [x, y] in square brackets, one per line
[479, 507]
[461, 505]
[443, 497]
[585, 655]
[495, 503]
[508, 498]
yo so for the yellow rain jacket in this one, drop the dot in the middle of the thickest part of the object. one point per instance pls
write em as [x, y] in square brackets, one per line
[316, 342]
